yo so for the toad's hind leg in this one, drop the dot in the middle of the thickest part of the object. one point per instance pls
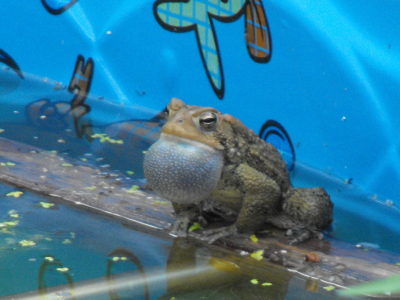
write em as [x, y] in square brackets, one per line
[261, 198]
[304, 212]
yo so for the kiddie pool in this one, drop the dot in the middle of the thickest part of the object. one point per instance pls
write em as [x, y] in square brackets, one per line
[317, 79]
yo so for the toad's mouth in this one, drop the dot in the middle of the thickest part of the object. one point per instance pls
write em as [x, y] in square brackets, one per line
[181, 170]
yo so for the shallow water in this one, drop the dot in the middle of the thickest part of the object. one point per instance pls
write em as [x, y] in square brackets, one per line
[359, 217]
[79, 252]
[91, 245]
[63, 237]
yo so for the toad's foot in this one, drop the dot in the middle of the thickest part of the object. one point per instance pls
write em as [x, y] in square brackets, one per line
[212, 235]
[183, 220]
[303, 235]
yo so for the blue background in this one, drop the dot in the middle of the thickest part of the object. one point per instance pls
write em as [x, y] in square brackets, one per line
[332, 80]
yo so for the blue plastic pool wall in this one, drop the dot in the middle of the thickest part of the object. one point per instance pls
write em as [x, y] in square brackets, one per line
[325, 72]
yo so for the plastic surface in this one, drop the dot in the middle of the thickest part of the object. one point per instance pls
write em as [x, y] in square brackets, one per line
[326, 71]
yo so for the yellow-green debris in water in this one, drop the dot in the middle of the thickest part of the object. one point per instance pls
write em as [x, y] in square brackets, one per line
[258, 255]
[46, 204]
[253, 238]
[195, 226]
[16, 194]
[254, 281]
[63, 270]
[90, 188]
[133, 189]
[158, 202]
[26, 243]
[267, 284]
[9, 224]
[105, 138]
[8, 164]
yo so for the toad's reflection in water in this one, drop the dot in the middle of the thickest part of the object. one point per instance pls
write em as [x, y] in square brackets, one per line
[192, 271]
[218, 274]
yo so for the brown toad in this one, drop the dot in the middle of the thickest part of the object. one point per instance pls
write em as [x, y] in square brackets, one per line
[205, 160]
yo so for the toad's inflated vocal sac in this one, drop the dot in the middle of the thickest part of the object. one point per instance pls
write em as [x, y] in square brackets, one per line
[206, 162]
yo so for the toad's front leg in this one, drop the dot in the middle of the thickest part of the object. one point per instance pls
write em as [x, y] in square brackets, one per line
[185, 216]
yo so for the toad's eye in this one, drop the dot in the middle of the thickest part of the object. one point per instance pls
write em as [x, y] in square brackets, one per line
[208, 120]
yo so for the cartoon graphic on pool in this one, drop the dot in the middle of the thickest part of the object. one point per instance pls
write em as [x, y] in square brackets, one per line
[208, 162]
[198, 15]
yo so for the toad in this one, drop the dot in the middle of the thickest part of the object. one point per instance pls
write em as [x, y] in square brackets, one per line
[206, 161]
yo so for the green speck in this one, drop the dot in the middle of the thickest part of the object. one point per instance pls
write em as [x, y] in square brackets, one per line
[254, 281]
[67, 165]
[63, 270]
[329, 288]
[48, 239]
[158, 202]
[16, 194]
[14, 215]
[49, 258]
[10, 164]
[115, 258]
[130, 172]
[67, 241]
[26, 243]
[195, 226]
[46, 204]
[90, 188]
[9, 224]
[258, 255]
[253, 238]
[105, 138]
[84, 159]
[144, 152]
[123, 258]
[133, 189]
[267, 284]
